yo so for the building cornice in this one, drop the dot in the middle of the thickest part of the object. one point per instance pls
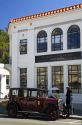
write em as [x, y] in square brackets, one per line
[43, 14]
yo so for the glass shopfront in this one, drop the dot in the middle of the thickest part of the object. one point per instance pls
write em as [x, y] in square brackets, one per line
[42, 77]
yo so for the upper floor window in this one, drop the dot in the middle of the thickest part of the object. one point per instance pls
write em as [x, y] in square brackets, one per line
[42, 41]
[57, 39]
[23, 46]
[73, 37]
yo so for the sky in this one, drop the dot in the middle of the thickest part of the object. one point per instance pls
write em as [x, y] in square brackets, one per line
[16, 8]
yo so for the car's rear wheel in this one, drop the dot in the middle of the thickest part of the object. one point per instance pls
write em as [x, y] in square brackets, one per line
[12, 110]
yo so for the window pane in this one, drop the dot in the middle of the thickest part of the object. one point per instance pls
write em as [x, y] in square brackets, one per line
[57, 39]
[57, 77]
[23, 46]
[73, 37]
[42, 81]
[42, 41]
[23, 77]
[74, 78]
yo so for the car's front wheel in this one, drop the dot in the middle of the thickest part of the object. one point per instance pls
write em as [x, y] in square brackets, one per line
[65, 112]
[53, 115]
[12, 110]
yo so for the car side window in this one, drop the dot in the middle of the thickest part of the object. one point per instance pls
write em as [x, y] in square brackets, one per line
[25, 93]
[15, 92]
[32, 95]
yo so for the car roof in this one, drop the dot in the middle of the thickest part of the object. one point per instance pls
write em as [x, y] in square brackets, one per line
[33, 89]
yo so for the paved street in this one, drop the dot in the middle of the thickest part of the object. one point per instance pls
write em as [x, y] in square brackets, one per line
[36, 121]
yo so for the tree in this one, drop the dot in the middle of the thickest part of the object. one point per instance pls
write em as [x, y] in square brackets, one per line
[4, 47]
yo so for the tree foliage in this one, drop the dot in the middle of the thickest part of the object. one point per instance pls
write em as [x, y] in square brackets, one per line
[4, 47]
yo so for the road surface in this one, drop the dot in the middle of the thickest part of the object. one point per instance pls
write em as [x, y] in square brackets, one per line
[38, 121]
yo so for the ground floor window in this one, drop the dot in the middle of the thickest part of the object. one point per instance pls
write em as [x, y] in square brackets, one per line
[57, 77]
[23, 77]
[74, 78]
[42, 77]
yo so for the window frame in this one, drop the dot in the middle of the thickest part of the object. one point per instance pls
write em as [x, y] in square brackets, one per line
[58, 71]
[42, 41]
[23, 45]
[74, 73]
[57, 33]
[42, 75]
[73, 37]
[23, 75]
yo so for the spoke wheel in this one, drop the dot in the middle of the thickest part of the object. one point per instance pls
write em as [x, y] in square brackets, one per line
[65, 113]
[53, 115]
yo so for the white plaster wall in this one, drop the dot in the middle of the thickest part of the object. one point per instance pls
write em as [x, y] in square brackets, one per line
[3, 73]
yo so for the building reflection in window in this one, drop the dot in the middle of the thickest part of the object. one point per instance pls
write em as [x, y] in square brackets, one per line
[23, 46]
[73, 37]
[57, 39]
[42, 77]
[74, 78]
[42, 41]
[23, 77]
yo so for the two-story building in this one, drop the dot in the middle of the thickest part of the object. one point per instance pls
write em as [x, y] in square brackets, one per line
[46, 50]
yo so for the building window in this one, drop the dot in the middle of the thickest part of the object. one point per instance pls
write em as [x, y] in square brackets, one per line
[74, 78]
[57, 39]
[23, 77]
[42, 41]
[73, 37]
[7, 82]
[23, 46]
[42, 78]
[57, 77]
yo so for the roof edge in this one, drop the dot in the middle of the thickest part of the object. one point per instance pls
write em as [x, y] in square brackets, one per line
[23, 18]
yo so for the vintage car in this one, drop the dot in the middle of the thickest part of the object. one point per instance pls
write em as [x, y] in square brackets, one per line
[32, 100]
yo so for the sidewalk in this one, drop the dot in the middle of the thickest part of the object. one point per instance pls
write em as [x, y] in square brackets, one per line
[75, 117]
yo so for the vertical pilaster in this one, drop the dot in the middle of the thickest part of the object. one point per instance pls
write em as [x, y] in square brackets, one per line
[81, 77]
[35, 78]
[65, 39]
[49, 41]
[81, 36]
[65, 77]
[15, 49]
[49, 77]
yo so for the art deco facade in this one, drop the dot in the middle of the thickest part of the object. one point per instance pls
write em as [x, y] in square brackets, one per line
[46, 50]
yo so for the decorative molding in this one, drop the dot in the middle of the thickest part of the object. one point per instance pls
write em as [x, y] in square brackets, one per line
[23, 30]
[60, 23]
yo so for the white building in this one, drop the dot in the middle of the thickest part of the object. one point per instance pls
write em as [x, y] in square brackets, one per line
[46, 50]
[4, 81]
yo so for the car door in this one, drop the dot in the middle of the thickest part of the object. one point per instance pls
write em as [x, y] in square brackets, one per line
[32, 101]
[23, 99]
